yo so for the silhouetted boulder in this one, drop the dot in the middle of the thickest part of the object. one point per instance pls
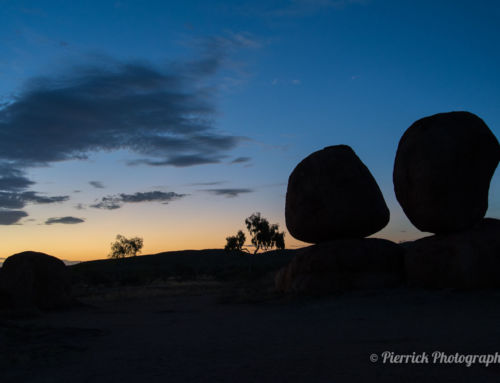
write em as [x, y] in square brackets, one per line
[35, 279]
[343, 264]
[467, 259]
[331, 195]
[442, 171]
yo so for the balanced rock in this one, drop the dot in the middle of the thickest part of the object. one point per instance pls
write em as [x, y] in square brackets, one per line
[331, 195]
[467, 259]
[35, 279]
[343, 264]
[442, 171]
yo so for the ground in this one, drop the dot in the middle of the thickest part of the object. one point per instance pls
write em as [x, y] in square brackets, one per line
[209, 331]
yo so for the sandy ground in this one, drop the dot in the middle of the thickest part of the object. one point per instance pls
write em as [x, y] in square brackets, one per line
[208, 335]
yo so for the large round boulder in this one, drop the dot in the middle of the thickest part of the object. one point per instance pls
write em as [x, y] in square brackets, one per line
[442, 171]
[35, 279]
[331, 194]
[342, 265]
[468, 259]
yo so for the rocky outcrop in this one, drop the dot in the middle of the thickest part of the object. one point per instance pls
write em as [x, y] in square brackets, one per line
[331, 195]
[442, 171]
[466, 259]
[343, 265]
[32, 279]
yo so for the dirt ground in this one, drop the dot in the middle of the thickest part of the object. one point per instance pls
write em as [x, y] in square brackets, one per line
[207, 334]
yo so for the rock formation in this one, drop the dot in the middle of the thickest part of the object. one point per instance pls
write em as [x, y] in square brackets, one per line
[343, 264]
[32, 279]
[332, 195]
[466, 259]
[442, 171]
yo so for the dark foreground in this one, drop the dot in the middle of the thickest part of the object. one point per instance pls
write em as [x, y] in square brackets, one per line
[208, 332]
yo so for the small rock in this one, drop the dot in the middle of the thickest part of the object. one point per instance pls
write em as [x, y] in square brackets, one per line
[35, 279]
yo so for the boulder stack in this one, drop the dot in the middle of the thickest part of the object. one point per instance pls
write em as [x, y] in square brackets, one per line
[32, 279]
[333, 201]
[332, 195]
[442, 173]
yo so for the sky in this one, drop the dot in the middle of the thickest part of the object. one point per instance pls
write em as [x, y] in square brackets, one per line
[176, 120]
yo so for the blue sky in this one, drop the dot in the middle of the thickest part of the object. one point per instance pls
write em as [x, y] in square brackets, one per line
[256, 86]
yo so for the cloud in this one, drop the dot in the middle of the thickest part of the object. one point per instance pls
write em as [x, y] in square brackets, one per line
[181, 161]
[116, 201]
[277, 81]
[244, 40]
[229, 193]
[96, 184]
[163, 115]
[150, 196]
[31, 196]
[17, 200]
[64, 220]
[11, 217]
[241, 160]
[12, 179]
[107, 203]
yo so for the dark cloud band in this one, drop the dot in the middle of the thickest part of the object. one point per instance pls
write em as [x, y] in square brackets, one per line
[116, 201]
[17, 200]
[64, 220]
[230, 193]
[165, 115]
[11, 217]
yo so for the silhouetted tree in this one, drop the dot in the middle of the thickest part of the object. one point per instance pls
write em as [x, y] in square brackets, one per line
[264, 235]
[236, 242]
[124, 247]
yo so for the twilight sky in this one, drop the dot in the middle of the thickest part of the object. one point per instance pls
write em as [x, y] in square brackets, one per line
[176, 120]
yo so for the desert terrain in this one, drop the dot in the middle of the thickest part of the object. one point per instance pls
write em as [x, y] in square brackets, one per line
[237, 329]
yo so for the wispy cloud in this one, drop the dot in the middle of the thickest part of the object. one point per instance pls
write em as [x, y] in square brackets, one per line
[116, 201]
[64, 220]
[241, 160]
[277, 81]
[97, 184]
[229, 193]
